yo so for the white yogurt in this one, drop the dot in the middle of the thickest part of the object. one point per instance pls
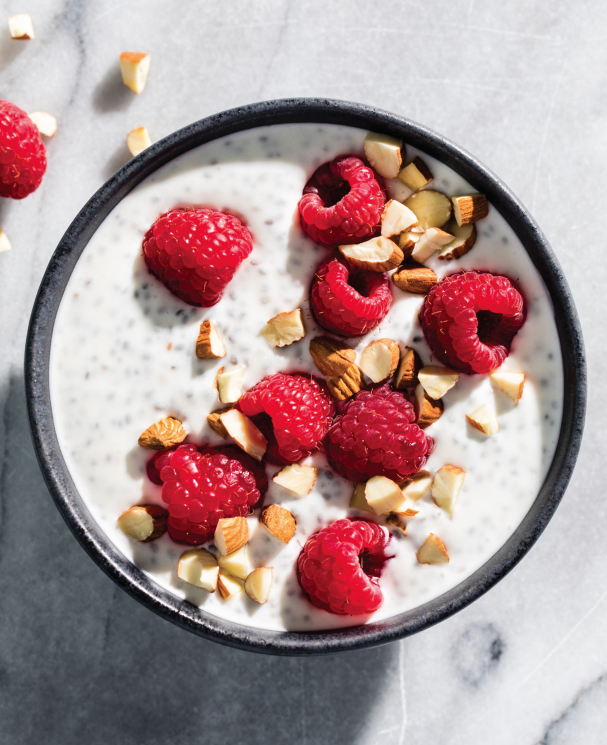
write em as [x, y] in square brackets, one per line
[123, 356]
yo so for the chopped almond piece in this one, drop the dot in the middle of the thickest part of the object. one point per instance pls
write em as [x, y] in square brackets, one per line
[138, 140]
[397, 190]
[46, 123]
[433, 551]
[384, 496]
[231, 534]
[258, 584]
[384, 154]
[376, 255]
[135, 67]
[229, 384]
[379, 359]
[437, 380]
[416, 175]
[397, 219]
[430, 242]
[416, 485]
[279, 522]
[432, 208]
[358, 501]
[469, 208]
[228, 586]
[296, 478]
[5, 244]
[20, 27]
[199, 567]
[410, 365]
[144, 522]
[446, 486]
[244, 433]
[209, 344]
[236, 564]
[428, 409]
[408, 241]
[284, 328]
[331, 356]
[484, 420]
[165, 433]
[215, 423]
[510, 383]
[415, 278]
[464, 240]
[345, 385]
[396, 522]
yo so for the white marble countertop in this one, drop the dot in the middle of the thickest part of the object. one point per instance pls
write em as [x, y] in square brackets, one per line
[519, 84]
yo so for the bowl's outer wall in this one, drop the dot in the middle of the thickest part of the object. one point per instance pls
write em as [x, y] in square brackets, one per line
[123, 571]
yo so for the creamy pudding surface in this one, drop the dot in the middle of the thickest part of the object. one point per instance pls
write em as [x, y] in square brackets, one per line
[123, 356]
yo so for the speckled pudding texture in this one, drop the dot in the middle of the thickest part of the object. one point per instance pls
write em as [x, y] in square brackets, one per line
[123, 355]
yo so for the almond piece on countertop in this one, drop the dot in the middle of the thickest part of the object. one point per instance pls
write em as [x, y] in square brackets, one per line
[414, 277]
[432, 208]
[229, 384]
[430, 242]
[215, 423]
[446, 486]
[510, 383]
[410, 365]
[144, 522]
[484, 420]
[416, 175]
[236, 564]
[5, 245]
[397, 190]
[209, 345]
[20, 27]
[433, 551]
[416, 485]
[408, 241]
[279, 522]
[199, 567]
[331, 356]
[464, 240]
[469, 208]
[296, 478]
[437, 380]
[138, 140]
[231, 534]
[380, 359]
[244, 433]
[346, 385]
[163, 434]
[46, 123]
[258, 584]
[384, 496]
[229, 586]
[376, 255]
[284, 328]
[397, 219]
[428, 409]
[135, 67]
[358, 500]
[384, 154]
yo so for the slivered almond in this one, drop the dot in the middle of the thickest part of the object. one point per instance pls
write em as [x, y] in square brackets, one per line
[244, 433]
[376, 255]
[279, 522]
[408, 241]
[258, 584]
[432, 208]
[384, 153]
[411, 276]
[465, 238]
[215, 423]
[331, 356]
[135, 67]
[469, 208]
[231, 534]
[416, 485]
[437, 380]
[138, 140]
[433, 551]
[410, 365]
[163, 434]
[296, 478]
[384, 496]
[484, 420]
[446, 486]
[429, 243]
[209, 344]
[379, 359]
[144, 522]
[397, 219]
[416, 175]
[510, 383]
[236, 564]
[284, 328]
[428, 409]
[345, 385]
[229, 384]
[199, 567]
[46, 123]
[229, 586]
[358, 500]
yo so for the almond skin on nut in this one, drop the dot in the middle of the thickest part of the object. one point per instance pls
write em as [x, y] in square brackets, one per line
[410, 365]
[279, 522]
[345, 385]
[414, 277]
[209, 345]
[331, 357]
[215, 423]
[231, 534]
[164, 434]
[380, 359]
[144, 522]
[376, 255]
[428, 409]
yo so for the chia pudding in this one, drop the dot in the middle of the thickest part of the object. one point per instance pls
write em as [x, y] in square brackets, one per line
[123, 356]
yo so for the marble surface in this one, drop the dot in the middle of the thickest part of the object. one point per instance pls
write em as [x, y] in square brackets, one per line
[519, 84]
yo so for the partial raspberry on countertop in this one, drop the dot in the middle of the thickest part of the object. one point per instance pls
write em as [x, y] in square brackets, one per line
[375, 435]
[22, 153]
[338, 567]
[200, 487]
[342, 202]
[293, 412]
[349, 301]
[196, 252]
[470, 320]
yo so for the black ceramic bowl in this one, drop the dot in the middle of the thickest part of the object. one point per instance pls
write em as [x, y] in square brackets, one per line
[125, 573]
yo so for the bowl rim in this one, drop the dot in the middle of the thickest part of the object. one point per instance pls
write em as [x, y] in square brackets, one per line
[122, 570]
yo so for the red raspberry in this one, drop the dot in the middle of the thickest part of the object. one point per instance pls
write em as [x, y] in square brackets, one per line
[348, 301]
[342, 202]
[470, 320]
[293, 412]
[202, 486]
[195, 252]
[376, 435]
[22, 153]
[338, 568]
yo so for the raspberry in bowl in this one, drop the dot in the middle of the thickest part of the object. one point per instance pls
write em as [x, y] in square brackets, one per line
[334, 452]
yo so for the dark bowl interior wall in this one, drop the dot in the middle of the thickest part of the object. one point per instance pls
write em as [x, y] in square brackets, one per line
[69, 502]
